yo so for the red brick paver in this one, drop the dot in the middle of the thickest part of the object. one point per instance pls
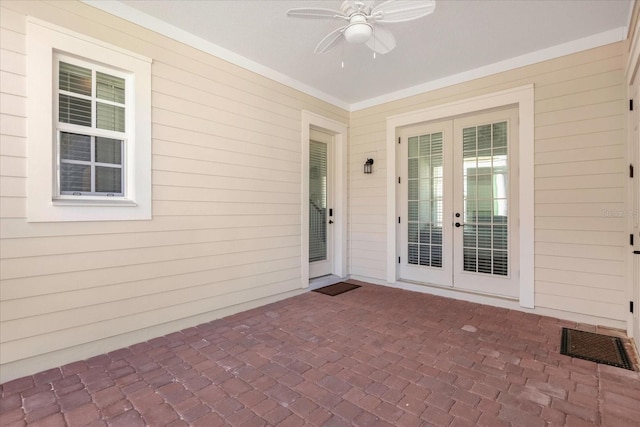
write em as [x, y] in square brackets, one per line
[372, 356]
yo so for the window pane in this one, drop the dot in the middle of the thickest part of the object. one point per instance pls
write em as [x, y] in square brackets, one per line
[436, 256]
[500, 135]
[413, 232]
[469, 139]
[484, 137]
[74, 79]
[110, 117]
[108, 150]
[413, 189]
[413, 254]
[108, 180]
[110, 88]
[75, 147]
[75, 177]
[425, 145]
[74, 110]
[413, 168]
[413, 146]
[425, 233]
[484, 261]
[425, 255]
[436, 145]
[500, 261]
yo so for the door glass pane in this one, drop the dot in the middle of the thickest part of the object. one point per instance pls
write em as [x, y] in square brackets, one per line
[425, 200]
[486, 199]
[317, 201]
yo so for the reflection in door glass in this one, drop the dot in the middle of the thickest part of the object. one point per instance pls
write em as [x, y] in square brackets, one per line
[425, 200]
[485, 232]
[317, 201]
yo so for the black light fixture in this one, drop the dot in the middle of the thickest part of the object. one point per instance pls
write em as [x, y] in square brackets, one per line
[368, 166]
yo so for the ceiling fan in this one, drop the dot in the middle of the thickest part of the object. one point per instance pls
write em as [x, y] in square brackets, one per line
[365, 21]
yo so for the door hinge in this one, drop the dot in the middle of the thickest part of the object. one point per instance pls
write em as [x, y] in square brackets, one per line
[398, 220]
[631, 239]
[398, 140]
[630, 306]
[631, 105]
[398, 260]
[398, 180]
[631, 170]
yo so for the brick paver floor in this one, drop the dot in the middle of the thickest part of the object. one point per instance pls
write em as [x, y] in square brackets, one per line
[374, 356]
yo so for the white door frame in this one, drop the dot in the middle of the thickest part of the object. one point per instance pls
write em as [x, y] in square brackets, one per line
[521, 97]
[339, 132]
[633, 77]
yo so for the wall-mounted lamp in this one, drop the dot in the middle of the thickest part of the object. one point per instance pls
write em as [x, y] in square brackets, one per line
[368, 166]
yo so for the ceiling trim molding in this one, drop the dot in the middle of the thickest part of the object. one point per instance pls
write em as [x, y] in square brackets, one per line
[128, 13]
[590, 42]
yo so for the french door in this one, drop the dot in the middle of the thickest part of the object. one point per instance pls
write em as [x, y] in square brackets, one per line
[458, 203]
[320, 204]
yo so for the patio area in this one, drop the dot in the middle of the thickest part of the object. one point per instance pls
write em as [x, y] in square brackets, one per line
[374, 356]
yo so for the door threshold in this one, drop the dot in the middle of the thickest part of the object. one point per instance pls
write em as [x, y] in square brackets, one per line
[322, 281]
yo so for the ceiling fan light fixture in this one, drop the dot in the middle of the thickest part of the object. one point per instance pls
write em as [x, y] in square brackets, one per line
[358, 31]
[361, 17]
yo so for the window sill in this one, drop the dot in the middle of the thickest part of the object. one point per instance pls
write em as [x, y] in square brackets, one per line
[94, 202]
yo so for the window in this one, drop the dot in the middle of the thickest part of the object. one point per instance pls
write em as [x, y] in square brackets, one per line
[89, 122]
[91, 129]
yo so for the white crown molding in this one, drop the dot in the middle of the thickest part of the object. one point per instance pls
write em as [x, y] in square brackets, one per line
[123, 11]
[590, 42]
[126, 12]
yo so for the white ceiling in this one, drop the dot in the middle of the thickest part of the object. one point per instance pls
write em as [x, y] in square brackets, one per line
[462, 39]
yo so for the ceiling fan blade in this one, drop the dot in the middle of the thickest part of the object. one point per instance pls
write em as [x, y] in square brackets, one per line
[315, 13]
[333, 39]
[382, 40]
[402, 10]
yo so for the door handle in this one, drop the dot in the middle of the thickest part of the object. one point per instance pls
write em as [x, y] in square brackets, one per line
[330, 221]
[636, 252]
[457, 224]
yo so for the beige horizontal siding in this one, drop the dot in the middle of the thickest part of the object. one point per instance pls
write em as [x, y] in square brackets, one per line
[580, 166]
[146, 276]
[588, 237]
[226, 203]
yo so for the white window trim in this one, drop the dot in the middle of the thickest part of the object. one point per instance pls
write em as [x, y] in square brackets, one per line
[43, 204]
[523, 98]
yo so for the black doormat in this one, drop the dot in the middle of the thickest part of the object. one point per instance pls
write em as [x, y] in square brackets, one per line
[595, 347]
[337, 289]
